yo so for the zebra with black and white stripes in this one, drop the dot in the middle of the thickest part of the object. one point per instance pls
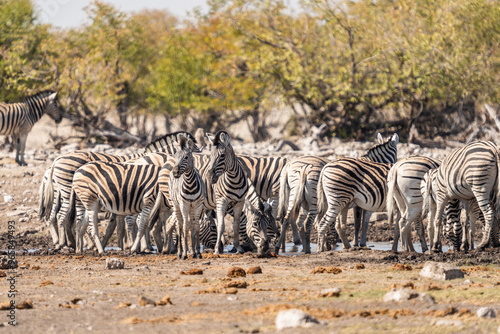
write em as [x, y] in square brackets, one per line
[119, 188]
[228, 185]
[405, 197]
[63, 169]
[349, 181]
[188, 193]
[17, 119]
[467, 173]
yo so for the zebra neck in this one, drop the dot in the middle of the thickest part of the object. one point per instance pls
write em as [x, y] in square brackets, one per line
[189, 175]
[36, 106]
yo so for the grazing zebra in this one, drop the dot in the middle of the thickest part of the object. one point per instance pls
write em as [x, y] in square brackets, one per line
[188, 193]
[467, 173]
[228, 185]
[17, 119]
[404, 195]
[298, 186]
[120, 188]
[64, 167]
[347, 181]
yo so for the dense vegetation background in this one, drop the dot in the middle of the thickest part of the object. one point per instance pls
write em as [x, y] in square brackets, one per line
[421, 68]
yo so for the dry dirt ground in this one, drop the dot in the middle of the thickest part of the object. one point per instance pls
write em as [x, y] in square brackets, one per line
[75, 293]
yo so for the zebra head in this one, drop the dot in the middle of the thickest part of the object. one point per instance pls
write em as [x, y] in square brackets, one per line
[384, 151]
[183, 157]
[53, 108]
[257, 226]
[221, 156]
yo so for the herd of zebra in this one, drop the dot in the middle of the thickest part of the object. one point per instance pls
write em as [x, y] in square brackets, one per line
[175, 191]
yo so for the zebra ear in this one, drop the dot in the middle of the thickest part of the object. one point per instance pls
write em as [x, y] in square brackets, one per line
[191, 146]
[395, 138]
[380, 139]
[52, 96]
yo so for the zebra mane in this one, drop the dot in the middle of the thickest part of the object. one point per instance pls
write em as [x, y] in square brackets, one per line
[39, 95]
[166, 142]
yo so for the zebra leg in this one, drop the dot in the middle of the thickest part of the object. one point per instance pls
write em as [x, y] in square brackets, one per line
[109, 230]
[327, 220]
[438, 221]
[488, 214]
[306, 239]
[156, 226]
[358, 216]
[282, 240]
[180, 233]
[295, 233]
[22, 145]
[237, 210]
[419, 226]
[198, 215]
[140, 233]
[396, 237]
[170, 223]
[341, 227]
[120, 231]
[80, 227]
[131, 230]
[221, 211]
[365, 222]
[94, 223]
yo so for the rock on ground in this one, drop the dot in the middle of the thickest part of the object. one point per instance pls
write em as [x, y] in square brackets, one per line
[402, 295]
[441, 271]
[114, 263]
[294, 318]
[486, 312]
[449, 323]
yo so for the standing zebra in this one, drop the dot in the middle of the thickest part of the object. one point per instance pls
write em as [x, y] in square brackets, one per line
[470, 172]
[228, 185]
[298, 187]
[120, 188]
[348, 181]
[17, 119]
[188, 193]
[63, 169]
[404, 195]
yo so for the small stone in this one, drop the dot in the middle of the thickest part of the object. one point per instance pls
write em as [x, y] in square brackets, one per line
[45, 283]
[114, 263]
[194, 271]
[449, 323]
[231, 291]
[441, 271]
[164, 301]
[8, 198]
[254, 270]
[486, 312]
[294, 318]
[143, 301]
[333, 292]
[237, 284]
[402, 295]
[468, 281]
[236, 272]
[24, 305]
[123, 305]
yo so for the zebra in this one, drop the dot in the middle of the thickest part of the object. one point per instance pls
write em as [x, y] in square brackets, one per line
[469, 172]
[64, 167]
[188, 193]
[348, 181]
[120, 188]
[228, 185]
[17, 119]
[405, 197]
[299, 181]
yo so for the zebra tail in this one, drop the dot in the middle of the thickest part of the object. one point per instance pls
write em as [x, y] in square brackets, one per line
[284, 193]
[391, 188]
[299, 195]
[425, 189]
[321, 199]
[155, 212]
[72, 208]
[46, 193]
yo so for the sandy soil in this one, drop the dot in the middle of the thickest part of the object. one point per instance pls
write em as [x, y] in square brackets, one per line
[76, 293]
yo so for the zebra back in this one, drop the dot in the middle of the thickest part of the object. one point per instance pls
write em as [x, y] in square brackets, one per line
[169, 143]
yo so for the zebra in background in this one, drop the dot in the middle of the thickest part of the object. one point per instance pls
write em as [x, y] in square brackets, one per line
[467, 173]
[61, 178]
[344, 182]
[17, 119]
[404, 197]
[188, 193]
[228, 185]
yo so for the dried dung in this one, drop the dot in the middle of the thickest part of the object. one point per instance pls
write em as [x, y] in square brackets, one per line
[236, 272]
